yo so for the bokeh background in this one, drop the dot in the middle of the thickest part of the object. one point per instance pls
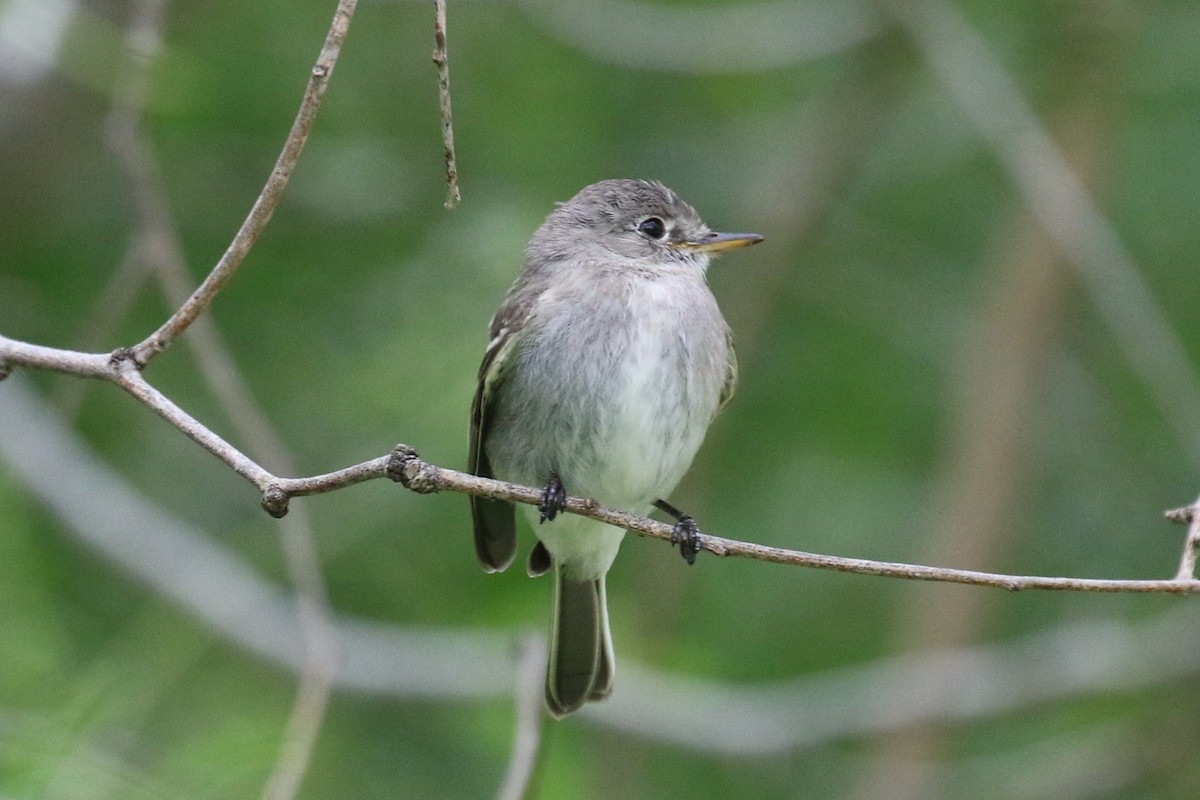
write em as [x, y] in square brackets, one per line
[969, 340]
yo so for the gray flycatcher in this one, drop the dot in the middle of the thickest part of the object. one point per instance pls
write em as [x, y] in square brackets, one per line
[608, 360]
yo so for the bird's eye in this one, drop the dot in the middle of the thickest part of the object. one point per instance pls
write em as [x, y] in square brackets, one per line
[653, 227]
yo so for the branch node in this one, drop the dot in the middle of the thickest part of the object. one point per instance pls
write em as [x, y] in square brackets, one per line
[1181, 516]
[400, 456]
[406, 468]
[275, 501]
[321, 70]
[124, 355]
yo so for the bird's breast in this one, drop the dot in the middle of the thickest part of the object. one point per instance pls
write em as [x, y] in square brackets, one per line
[616, 387]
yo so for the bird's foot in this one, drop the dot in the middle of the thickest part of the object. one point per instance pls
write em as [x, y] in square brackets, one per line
[554, 499]
[687, 535]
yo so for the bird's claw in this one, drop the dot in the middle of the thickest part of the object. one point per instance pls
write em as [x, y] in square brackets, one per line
[554, 499]
[686, 534]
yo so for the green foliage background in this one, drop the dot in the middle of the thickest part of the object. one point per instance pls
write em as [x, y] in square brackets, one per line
[358, 320]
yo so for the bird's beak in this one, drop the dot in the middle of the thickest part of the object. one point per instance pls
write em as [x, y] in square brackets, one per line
[719, 242]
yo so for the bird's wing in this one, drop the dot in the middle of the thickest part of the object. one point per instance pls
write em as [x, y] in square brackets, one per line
[731, 372]
[494, 520]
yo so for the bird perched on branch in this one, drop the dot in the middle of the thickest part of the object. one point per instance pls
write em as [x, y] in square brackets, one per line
[608, 360]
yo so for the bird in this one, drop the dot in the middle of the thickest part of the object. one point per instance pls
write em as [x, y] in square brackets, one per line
[607, 361]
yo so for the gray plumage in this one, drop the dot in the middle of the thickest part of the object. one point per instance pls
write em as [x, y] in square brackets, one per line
[608, 360]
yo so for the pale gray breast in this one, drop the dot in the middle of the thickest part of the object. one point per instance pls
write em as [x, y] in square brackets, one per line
[615, 386]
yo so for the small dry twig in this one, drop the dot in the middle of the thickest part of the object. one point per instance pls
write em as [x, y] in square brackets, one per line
[441, 59]
[1191, 545]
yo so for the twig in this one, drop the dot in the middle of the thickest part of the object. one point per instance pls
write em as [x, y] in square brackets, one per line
[421, 477]
[264, 206]
[1191, 545]
[70, 362]
[1183, 515]
[283, 489]
[441, 59]
[406, 467]
[127, 375]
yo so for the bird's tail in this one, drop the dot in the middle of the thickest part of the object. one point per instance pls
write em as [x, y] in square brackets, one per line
[581, 654]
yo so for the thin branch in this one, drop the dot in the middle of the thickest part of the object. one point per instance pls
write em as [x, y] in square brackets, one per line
[441, 59]
[1191, 546]
[127, 375]
[275, 499]
[25, 354]
[422, 477]
[177, 561]
[896, 693]
[406, 467]
[268, 199]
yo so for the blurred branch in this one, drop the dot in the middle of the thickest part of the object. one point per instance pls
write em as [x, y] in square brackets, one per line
[142, 43]
[264, 205]
[897, 692]
[442, 60]
[530, 673]
[999, 377]
[157, 245]
[405, 466]
[709, 39]
[1054, 193]
[317, 670]
[32, 33]
[99, 507]
[1092, 761]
